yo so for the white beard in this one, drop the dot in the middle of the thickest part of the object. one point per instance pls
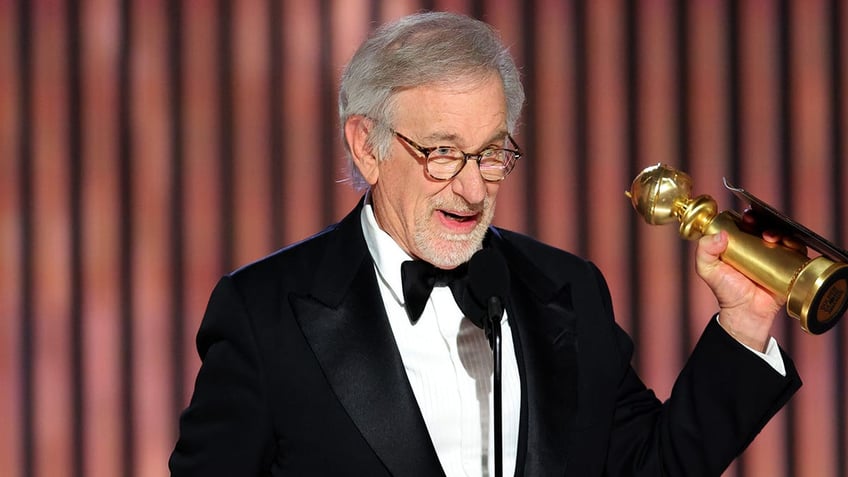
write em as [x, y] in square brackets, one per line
[447, 250]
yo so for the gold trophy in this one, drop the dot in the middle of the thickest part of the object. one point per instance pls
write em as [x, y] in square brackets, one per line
[815, 289]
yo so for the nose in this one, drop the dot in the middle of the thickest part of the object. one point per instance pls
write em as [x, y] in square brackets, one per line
[469, 184]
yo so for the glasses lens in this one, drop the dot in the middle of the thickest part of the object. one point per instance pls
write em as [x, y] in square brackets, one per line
[444, 162]
[495, 164]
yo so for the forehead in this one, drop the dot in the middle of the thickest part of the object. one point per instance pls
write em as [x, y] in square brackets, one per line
[470, 109]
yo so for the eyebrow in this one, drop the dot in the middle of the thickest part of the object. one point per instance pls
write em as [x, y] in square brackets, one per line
[453, 138]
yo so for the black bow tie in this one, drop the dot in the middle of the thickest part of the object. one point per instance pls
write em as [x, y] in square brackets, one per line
[419, 278]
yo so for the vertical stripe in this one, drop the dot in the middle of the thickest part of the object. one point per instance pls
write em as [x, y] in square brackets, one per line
[838, 215]
[705, 124]
[25, 179]
[603, 177]
[556, 186]
[102, 345]
[660, 307]
[51, 247]
[201, 160]
[757, 107]
[531, 205]
[176, 217]
[784, 164]
[326, 112]
[785, 100]
[276, 133]
[376, 11]
[348, 28]
[737, 126]
[426, 5]
[150, 255]
[581, 121]
[684, 264]
[252, 212]
[11, 441]
[127, 243]
[226, 131]
[303, 177]
[634, 159]
[508, 20]
[735, 129]
[810, 196]
[632, 165]
[75, 151]
[478, 10]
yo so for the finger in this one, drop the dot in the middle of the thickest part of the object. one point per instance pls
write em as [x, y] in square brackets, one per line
[795, 244]
[707, 256]
[713, 245]
[748, 222]
[788, 241]
[772, 236]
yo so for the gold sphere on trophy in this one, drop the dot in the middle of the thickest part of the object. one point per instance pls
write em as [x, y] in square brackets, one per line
[815, 289]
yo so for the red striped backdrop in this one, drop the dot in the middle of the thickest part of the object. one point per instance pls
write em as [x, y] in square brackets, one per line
[148, 146]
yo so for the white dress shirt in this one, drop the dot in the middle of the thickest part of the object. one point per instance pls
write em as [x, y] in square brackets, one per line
[448, 362]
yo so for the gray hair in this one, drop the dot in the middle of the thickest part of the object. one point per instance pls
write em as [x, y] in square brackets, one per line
[420, 49]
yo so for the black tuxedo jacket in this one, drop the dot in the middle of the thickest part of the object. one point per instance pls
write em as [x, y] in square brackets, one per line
[301, 376]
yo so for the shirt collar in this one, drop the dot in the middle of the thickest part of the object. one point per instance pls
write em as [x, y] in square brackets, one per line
[386, 253]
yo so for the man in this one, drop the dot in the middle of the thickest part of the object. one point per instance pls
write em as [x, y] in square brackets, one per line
[315, 363]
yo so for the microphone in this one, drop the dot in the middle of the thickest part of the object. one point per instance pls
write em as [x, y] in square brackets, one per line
[488, 286]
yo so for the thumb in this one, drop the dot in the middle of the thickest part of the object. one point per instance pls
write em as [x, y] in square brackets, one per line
[710, 248]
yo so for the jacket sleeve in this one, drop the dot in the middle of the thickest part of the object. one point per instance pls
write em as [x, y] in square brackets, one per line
[226, 428]
[722, 398]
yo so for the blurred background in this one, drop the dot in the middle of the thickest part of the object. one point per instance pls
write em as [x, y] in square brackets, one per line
[149, 146]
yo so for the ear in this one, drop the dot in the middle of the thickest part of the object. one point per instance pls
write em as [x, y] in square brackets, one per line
[356, 130]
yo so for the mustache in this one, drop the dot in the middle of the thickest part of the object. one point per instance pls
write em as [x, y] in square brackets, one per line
[461, 206]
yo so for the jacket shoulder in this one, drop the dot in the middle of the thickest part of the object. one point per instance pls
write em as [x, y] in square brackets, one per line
[550, 260]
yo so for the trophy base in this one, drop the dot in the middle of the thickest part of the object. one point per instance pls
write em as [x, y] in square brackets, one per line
[819, 295]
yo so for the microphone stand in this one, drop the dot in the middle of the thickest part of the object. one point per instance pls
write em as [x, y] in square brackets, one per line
[495, 312]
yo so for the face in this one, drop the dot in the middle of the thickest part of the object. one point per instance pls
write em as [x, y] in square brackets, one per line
[441, 222]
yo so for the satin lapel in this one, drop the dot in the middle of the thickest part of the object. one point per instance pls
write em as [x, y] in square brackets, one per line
[349, 333]
[544, 325]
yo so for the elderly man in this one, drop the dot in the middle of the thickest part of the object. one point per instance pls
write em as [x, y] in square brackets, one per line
[316, 361]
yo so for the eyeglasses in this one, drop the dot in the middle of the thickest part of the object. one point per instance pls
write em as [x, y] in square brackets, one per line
[443, 163]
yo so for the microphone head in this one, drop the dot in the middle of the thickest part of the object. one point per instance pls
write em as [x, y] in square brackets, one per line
[488, 277]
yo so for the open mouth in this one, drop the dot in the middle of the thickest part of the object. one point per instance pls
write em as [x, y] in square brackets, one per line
[458, 217]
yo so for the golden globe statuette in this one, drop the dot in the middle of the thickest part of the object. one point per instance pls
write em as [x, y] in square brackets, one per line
[815, 289]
